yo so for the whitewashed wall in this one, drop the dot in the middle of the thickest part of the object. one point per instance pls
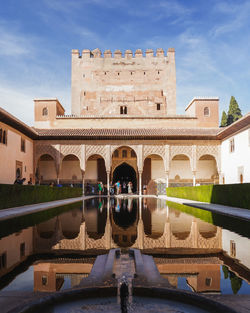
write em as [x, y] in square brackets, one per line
[237, 162]
[242, 246]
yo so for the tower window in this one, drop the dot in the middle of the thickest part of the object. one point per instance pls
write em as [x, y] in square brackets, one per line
[123, 110]
[45, 111]
[206, 111]
[158, 106]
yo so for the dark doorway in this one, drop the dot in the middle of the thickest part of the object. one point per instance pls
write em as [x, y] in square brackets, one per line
[125, 173]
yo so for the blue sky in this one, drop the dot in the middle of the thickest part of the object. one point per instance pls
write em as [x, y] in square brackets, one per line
[211, 39]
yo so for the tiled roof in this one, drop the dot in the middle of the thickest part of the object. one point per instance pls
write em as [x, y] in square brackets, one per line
[14, 122]
[128, 133]
[235, 127]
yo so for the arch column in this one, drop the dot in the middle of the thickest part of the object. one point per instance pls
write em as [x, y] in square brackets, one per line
[140, 182]
[140, 227]
[108, 183]
[194, 178]
[83, 166]
[83, 182]
[58, 162]
[167, 178]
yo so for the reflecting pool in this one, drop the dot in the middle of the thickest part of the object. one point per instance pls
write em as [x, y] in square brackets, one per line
[193, 249]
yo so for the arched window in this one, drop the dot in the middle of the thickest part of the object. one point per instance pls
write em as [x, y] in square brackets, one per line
[206, 111]
[45, 111]
[116, 154]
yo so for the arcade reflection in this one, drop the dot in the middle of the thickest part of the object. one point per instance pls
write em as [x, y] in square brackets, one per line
[191, 253]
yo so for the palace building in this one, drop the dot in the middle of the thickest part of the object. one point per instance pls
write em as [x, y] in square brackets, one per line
[124, 127]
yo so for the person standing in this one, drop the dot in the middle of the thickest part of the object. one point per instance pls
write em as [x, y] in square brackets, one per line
[130, 187]
[118, 185]
[99, 188]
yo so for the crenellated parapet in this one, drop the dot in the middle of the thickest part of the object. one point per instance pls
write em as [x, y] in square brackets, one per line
[128, 54]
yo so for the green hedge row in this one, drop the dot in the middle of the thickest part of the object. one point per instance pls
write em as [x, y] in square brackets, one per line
[18, 195]
[236, 195]
[227, 222]
[16, 224]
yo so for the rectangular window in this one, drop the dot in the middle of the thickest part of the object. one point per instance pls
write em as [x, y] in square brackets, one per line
[44, 280]
[22, 145]
[158, 106]
[3, 136]
[232, 248]
[3, 260]
[22, 249]
[208, 281]
[231, 145]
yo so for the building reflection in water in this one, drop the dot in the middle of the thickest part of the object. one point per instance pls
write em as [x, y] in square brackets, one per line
[185, 248]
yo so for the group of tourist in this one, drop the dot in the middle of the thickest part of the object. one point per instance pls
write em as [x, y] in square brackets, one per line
[20, 181]
[123, 187]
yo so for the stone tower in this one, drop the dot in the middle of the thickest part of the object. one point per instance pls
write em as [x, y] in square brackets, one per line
[135, 85]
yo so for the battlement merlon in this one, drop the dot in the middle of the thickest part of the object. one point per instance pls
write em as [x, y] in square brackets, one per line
[96, 53]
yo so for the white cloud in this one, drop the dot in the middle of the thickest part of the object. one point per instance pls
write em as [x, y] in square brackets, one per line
[13, 43]
[233, 17]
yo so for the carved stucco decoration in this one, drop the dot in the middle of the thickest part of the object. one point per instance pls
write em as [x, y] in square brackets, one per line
[153, 149]
[186, 150]
[71, 149]
[99, 150]
[136, 148]
[160, 150]
[41, 149]
[210, 150]
[77, 150]
[210, 243]
[117, 163]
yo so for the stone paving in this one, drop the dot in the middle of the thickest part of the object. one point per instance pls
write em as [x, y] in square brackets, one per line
[32, 208]
[217, 208]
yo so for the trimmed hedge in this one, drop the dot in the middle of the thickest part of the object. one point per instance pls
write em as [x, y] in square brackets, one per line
[235, 195]
[236, 225]
[16, 224]
[18, 195]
